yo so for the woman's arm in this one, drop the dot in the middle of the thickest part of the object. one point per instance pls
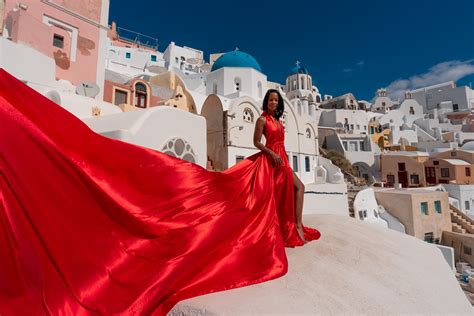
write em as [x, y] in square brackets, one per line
[257, 137]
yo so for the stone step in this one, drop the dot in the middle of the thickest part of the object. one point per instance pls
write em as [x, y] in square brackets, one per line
[458, 229]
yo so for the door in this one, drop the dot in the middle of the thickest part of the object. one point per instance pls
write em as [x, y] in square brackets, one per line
[430, 175]
[403, 178]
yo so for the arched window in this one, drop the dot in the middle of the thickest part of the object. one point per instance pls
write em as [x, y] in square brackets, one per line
[237, 84]
[294, 84]
[318, 99]
[214, 87]
[140, 95]
[309, 83]
[308, 133]
[259, 87]
[179, 148]
[302, 83]
[310, 109]
[248, 115]
[283, 120]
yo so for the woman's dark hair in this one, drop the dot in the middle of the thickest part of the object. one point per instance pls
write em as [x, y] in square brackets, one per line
[280, 107]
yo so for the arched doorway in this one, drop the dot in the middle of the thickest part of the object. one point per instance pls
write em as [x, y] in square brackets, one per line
[213, 111]
[141, 95]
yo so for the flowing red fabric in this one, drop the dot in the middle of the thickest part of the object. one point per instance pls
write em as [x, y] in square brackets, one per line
[91, 225]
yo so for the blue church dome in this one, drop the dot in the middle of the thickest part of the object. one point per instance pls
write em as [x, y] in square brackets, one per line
[236, 59]
[298, 69]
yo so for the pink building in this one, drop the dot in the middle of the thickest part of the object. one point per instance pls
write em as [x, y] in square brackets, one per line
[71, 32]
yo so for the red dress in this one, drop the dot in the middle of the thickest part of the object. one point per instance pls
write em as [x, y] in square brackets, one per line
[283, 186]
[91, 225]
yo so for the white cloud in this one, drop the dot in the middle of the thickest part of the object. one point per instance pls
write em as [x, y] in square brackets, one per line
[359, 64]
[442, 72]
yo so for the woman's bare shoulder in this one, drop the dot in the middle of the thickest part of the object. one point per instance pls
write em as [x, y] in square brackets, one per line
[261, 120]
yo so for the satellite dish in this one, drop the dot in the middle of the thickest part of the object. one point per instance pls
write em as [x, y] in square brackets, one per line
[87, 89]
[193, 61]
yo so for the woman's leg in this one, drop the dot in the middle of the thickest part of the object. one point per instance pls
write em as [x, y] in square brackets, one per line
[299, 197]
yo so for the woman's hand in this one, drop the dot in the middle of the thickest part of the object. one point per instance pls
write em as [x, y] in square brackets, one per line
[276, 159]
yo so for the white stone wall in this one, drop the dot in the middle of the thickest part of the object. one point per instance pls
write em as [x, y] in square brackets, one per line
[408, 104]
[176, 57]
[367, 209]
[357, 121]
[462, 96]
[139, 59]
[26, 63]
[326, 198]
[251, 82]
[464, 193]
[154, 127]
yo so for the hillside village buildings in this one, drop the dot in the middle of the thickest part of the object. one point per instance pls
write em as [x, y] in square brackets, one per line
[204, 110]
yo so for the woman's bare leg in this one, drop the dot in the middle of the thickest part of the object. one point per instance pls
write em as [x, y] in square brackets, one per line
[299, 197]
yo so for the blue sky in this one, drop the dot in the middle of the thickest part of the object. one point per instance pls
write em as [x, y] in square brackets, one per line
[348, 46]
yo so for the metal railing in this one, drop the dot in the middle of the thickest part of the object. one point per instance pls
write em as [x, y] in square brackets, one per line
[137, 38]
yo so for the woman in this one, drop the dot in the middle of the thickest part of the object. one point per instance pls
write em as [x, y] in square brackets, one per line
[269, 125]
[94, 226]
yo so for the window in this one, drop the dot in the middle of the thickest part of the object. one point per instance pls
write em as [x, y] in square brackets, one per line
[259, 87]
[248, 115]
[239, 159]
[140, 95]
[58, 41]
[412, 111]
[466, 205]
[362, 146]
[401, 166]
[383, 103]
[306, 163]
[345, 145]
[237, 83]
[468, 172]
[436, 162]
[357, 126]
[455, 108]
[437, 205]
[153, 57]
[121, 97]
[295, 163]
[283, 120]
[467, 250]
[453, 154]
[414, 179]
[424, 208]
[445, 172]
[372, 130]
[308, 133]
[390, 178]
[429, 237]
[176, 59]
[128, 55]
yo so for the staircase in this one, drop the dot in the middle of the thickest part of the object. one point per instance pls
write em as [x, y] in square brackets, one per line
[461, 223]
[351, 194]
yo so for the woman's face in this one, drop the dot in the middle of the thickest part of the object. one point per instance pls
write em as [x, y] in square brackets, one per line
[272, 102]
